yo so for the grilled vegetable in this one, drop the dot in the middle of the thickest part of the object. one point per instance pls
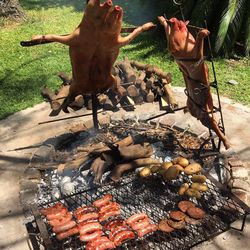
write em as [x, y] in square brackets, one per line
[145, 172]
[199, 187]
[193, 193]
[193, 168]
[184, 187]
[171, 173]
[198, 178]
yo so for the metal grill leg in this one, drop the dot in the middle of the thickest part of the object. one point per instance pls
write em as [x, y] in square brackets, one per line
[94, 110]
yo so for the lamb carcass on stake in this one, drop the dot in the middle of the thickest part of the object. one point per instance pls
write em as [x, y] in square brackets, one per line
[93, 48]
[188, 53]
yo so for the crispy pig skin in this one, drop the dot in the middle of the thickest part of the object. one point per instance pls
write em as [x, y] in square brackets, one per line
[188, 53]
[93, 48]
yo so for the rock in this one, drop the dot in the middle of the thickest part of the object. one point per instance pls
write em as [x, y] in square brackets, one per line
[232, 82]
[241, 184]
[242, 195]
[32, 174]
[240, 173]
[28, 185]
[44, 154]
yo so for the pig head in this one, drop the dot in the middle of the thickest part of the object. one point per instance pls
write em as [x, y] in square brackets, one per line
[93, 48]
[188, 53]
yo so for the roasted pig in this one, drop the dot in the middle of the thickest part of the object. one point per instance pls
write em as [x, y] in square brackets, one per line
[188, 53]
[93, 48]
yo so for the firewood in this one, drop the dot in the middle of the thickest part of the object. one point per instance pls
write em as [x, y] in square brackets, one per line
[169, 95]
[115, 71]
[124, 142]
[122, 90]
[60, 97]
[108, 105]
[80, 159]
[150, 97]
[135, 151]
[138, 100]
[66, 79]
[78, 102]
[132, 91]
[150, 82]
[128, 71]
[140, 79]
[98, 168]
[143, 86]
[121, 169]
[102, 98]
[47, 93]
[151, 69]
[91, 148]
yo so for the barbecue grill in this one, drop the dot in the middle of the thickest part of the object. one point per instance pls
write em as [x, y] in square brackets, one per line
[156, 198]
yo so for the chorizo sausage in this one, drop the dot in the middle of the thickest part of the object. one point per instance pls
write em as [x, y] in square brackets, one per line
[91, 236]
[70, 232]
[149, 229]
[64, 227]
[102, 201]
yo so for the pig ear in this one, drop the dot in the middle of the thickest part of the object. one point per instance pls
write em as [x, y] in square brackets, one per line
[187, 22]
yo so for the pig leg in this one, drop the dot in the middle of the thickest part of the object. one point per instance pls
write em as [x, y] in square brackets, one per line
[66, 40]
[199, 44]
[122, 41]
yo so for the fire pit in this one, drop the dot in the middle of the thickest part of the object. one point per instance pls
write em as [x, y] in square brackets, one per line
[153, 196]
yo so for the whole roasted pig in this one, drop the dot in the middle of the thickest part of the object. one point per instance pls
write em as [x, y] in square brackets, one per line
[93, 48]
[188, 53]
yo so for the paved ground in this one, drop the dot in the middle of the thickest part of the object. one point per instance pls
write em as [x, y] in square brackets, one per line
[22, 132]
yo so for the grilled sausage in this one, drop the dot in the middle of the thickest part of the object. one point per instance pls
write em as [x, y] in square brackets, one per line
[58, 214]
[92, 236]
[146, 230]
[114, 223]
[50, 210]
[122, 236]
[136, 217]
[70, 232]
[109, 214]
[88, 216]
[141, 224]
[62, 220]
[90, 227]
[64, 227]
[102, 201]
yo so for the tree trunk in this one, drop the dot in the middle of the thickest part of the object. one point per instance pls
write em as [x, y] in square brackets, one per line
[11, 9]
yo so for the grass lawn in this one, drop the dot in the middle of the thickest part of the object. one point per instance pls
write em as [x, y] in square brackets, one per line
[23, 71]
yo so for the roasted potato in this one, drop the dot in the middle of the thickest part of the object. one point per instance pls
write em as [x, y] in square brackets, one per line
[179, 167]
[171, 173]
[199, 186]
[198, 178]
[193, 193]
[166, 165]
[145, 172]
[155, 168]
[183, 162]
[193, 168]
[183, 188]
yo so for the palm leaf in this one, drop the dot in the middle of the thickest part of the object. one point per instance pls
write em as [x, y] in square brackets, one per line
[247, 28]
[234, 28]
[226, 19]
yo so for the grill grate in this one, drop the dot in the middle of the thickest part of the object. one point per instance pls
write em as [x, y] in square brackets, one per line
[156, 198]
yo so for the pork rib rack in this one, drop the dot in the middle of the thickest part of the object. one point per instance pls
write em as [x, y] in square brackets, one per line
[188, 53]
[93, 48]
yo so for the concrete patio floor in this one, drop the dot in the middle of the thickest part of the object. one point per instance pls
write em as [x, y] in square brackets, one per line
[21, 131]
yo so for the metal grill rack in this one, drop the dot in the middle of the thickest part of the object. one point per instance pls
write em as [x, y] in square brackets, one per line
[156, 198]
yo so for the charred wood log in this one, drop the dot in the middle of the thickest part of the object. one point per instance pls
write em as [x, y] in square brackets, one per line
[150, 97]
[121, 169]
[66, 79]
